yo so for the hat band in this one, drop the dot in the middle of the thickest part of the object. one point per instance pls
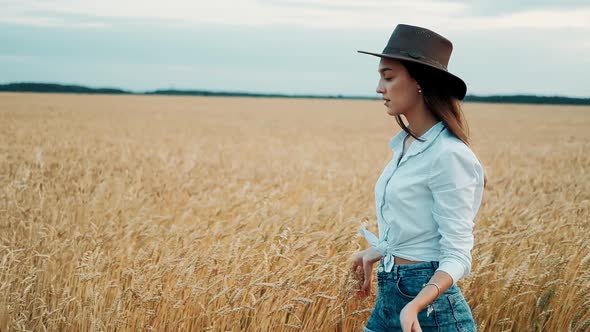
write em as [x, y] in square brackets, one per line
[414, 54]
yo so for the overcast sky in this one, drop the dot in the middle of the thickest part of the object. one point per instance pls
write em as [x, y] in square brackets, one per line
[290, 46]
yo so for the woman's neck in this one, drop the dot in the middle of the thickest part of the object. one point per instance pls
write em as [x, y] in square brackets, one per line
[421, 121]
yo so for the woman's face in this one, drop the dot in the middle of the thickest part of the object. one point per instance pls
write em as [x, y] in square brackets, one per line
[399, 89]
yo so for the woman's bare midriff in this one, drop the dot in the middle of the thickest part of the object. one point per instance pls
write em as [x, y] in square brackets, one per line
[399, 260]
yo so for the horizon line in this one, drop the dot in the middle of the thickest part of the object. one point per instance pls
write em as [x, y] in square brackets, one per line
[77, 88]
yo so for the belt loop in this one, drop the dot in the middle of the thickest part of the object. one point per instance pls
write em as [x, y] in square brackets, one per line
[434, 265]
[395, 271]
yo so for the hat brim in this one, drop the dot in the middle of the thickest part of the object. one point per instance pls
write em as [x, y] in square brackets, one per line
[457, 84]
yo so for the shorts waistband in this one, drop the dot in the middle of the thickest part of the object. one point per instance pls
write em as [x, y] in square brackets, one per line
[401, 269]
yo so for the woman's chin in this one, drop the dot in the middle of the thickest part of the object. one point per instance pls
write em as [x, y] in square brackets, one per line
[390, 112]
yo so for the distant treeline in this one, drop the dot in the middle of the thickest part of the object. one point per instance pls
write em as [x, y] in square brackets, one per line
[56, 88]
[59, 88]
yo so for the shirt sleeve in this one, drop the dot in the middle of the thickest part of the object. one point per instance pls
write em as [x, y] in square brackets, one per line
[456, 182]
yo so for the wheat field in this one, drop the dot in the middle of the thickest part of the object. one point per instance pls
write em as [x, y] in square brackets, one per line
[165, 213]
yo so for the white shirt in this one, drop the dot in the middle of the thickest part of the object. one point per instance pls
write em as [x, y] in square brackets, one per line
[426, 205]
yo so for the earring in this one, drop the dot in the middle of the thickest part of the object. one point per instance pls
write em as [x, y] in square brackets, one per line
[419, 89]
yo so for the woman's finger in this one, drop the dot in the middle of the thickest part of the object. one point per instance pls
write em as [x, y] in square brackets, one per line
[367, 287]
[406, 327]
[368, 270]
[356, 262]
[416, 327]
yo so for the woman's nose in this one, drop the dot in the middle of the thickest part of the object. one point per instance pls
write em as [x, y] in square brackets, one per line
[380, 88]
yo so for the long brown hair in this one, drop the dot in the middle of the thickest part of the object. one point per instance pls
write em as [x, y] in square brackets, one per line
[440, 100]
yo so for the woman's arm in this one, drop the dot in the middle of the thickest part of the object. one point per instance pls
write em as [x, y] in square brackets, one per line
[456, 181]
[365, 260]
[428, 293]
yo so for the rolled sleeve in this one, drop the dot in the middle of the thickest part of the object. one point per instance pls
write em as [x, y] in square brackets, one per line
[456, 182]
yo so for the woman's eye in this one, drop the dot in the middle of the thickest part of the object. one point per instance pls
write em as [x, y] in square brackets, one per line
[388, 78]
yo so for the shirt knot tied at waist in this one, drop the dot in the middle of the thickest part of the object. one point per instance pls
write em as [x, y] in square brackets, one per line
[381, 245]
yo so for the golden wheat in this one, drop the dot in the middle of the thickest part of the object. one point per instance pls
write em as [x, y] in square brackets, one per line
[235, 214]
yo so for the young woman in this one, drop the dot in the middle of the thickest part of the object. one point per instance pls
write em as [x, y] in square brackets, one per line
[428, 195]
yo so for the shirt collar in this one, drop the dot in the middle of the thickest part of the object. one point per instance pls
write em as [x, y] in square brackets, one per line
[428, 137]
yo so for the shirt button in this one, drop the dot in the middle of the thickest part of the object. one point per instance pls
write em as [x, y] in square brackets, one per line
[380, 269]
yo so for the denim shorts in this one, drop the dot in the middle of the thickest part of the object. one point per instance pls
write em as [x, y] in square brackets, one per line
[449, 312]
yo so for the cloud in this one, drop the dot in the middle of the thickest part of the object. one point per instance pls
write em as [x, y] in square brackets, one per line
[502, 7]
[289, 46]
[540, 19]
[56, 22]
[327, 14]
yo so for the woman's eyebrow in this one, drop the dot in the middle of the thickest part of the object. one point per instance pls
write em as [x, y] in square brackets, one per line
[382, 70]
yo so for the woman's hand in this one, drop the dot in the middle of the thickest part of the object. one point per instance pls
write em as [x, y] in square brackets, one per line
[409, 318]
[365, 259]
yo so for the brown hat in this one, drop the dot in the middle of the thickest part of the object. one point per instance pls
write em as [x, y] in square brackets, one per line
[417, 44]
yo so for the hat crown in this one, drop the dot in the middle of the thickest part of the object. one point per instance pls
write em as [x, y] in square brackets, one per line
[421, 44]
